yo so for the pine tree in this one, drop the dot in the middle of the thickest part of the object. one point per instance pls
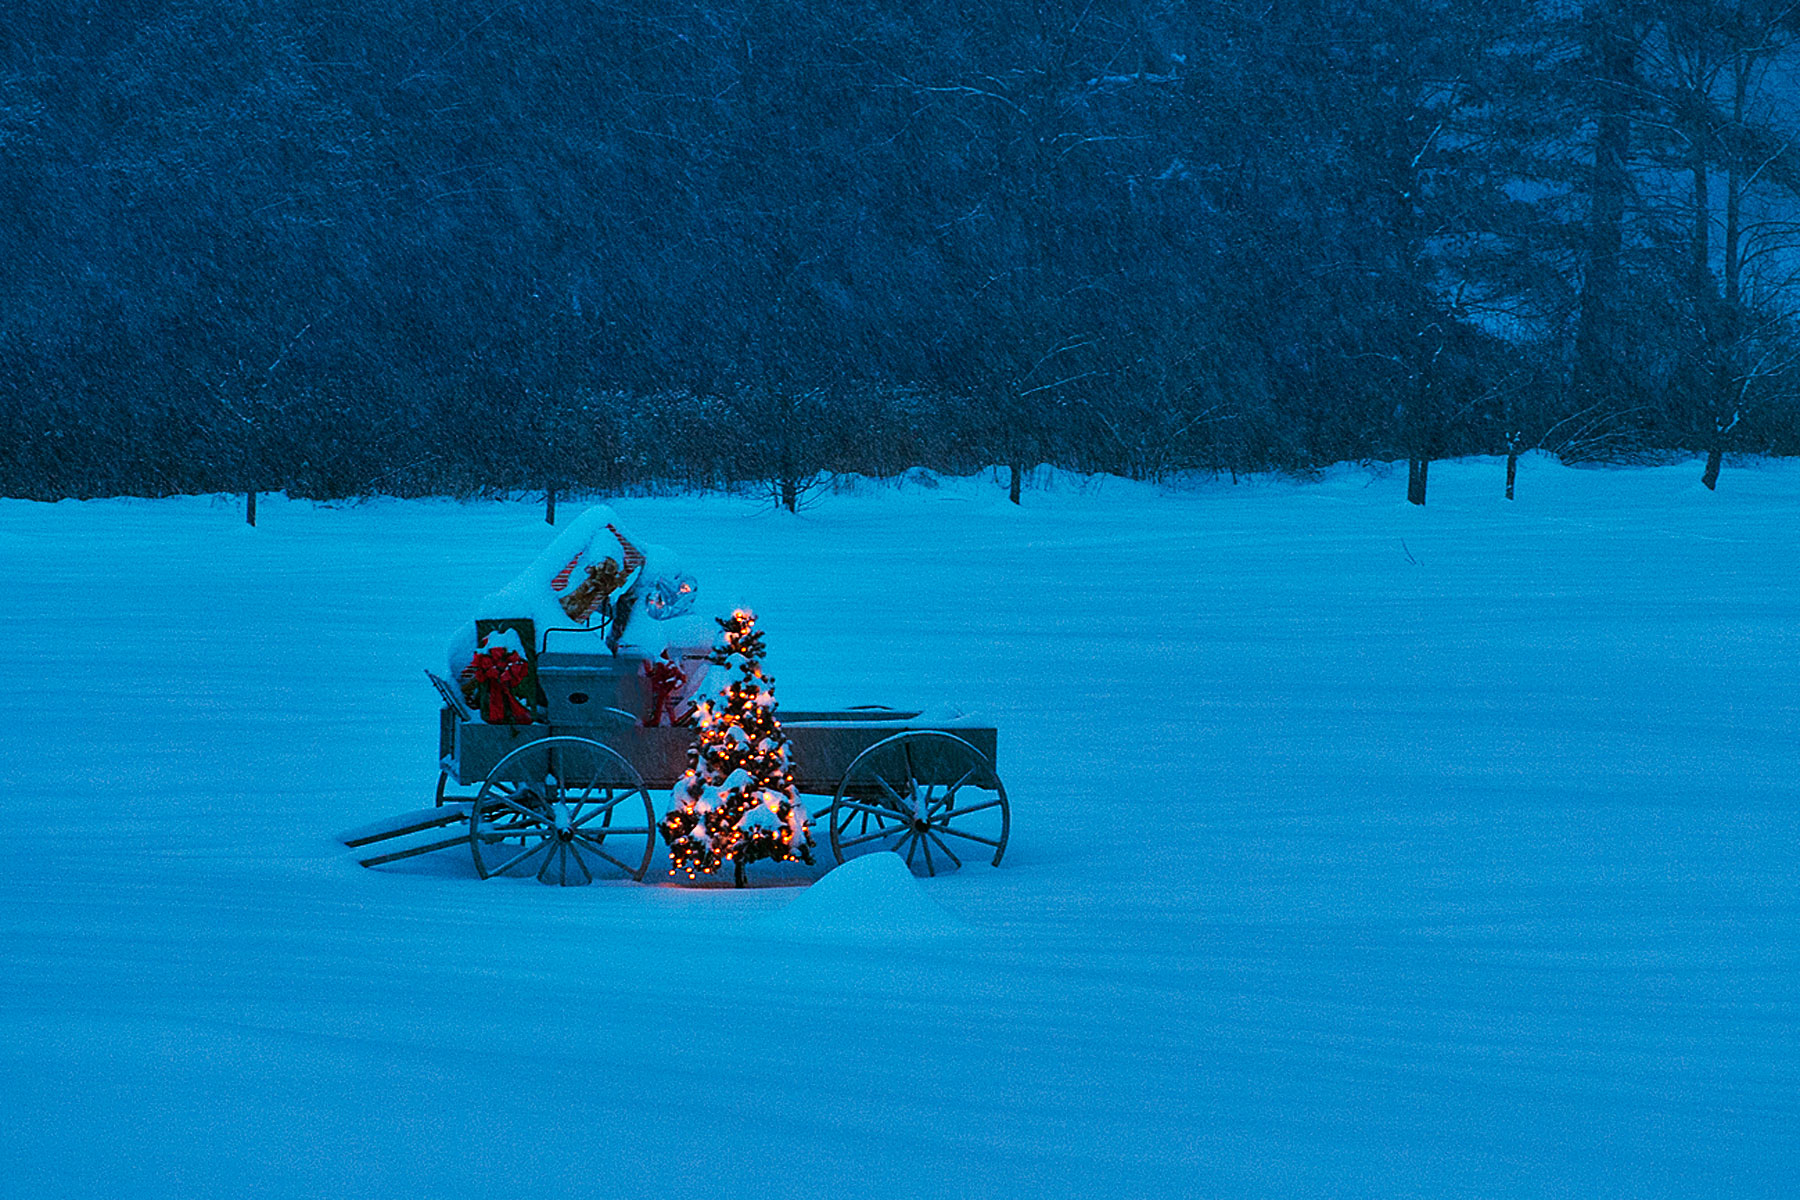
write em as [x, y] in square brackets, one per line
[737, 801]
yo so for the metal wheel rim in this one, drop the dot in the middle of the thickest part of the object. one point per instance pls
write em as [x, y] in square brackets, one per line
[938, 836]
[569, 834]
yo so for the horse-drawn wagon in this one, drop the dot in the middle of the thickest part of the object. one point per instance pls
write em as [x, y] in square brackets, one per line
[574, 803]
[569, 793]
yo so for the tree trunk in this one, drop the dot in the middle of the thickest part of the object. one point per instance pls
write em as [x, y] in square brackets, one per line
[1700, 261]
[1416, 469]
[1512, 471]
[790, 493]
[1730, 348]
[1613, 54]
[1711, 476]
[1734, 184]
[250, 508]
[550, 505]
[1012, 490]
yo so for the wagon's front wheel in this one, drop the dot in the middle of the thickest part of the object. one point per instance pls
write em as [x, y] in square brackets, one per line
[565, 809]
[929, 796]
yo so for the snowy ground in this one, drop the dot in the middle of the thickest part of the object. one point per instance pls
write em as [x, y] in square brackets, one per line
[1358, 850]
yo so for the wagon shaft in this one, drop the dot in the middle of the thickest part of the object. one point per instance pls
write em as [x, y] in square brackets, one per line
[410, 834]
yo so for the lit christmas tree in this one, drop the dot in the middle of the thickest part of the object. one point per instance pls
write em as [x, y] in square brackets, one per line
[737, 801]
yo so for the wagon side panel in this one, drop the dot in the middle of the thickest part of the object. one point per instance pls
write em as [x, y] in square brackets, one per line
[658, 752]
[478, 747]
[823, 752]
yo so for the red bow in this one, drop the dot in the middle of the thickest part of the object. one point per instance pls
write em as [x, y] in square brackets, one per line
[665, 678]
[500, 671]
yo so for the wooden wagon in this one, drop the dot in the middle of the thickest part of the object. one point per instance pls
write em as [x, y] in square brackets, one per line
[577, 799]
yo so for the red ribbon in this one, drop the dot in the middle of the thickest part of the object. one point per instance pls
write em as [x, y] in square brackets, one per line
[634, 558]
[665, 677]
[500, 671]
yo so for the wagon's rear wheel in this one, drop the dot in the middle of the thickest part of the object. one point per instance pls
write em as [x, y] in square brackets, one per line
[565, 809]
[929, 796]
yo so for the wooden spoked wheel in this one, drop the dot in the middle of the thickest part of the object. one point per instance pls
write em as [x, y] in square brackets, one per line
[927, 795]
[565, 809]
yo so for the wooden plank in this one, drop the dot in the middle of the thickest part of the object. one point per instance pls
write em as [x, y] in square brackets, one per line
[823, 747]
[657, 752]
[869, 713]
[480, 746]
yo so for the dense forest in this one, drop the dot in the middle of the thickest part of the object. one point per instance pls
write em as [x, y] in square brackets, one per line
[465, 246]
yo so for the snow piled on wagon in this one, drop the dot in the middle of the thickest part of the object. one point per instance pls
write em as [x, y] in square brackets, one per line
[595, 588]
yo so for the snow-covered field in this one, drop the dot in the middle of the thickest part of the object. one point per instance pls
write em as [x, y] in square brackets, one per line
[1357, 850]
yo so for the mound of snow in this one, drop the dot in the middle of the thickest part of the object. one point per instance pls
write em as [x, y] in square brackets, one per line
[873, 898]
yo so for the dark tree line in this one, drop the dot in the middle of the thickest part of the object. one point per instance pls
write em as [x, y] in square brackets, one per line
[460, 246]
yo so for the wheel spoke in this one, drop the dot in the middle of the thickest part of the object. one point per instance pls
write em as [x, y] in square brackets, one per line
[579, 794]
[904, 792]
[972, 837]
[903, 804]
[948, 799]
[510, 826]
[876, 810]
[870, 837]
[941, 846]
[580, 862]
[529, 813]
[963, 812]
[868, 828]
[861, 819]
[598, 809]
[561, 850]
[516, 859]
[514, 818]
[631, 871]
[553, 800]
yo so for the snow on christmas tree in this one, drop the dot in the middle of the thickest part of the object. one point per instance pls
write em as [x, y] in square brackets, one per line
[737, 801]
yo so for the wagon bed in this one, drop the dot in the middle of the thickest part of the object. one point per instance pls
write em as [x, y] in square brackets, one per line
[824, 743]
[572, 802]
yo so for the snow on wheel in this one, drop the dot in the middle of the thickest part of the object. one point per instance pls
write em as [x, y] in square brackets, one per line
[567, 810]
[926, 794]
